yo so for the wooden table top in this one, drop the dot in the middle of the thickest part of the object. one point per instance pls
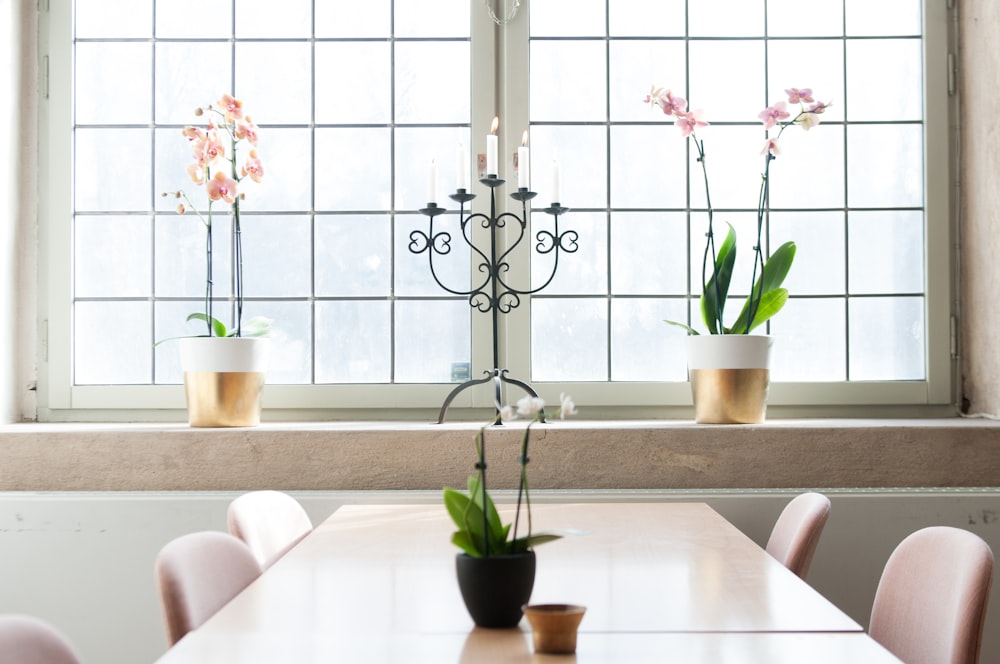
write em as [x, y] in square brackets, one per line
[379, 582]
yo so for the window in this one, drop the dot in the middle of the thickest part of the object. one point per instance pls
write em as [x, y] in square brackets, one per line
[359, 320]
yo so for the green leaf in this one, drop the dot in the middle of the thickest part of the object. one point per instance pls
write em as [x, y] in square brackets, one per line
[690, 330]
[258, 326]
[469, 519]
[218, 327]
[713, 298]
[772, 276]
[462, 540]
[770, 304]
[498, 534]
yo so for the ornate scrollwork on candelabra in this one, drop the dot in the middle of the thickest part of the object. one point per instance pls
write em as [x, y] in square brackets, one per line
[493, 293]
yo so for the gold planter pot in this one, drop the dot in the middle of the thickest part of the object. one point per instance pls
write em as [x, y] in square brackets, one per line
[729, 377]
[224, 380]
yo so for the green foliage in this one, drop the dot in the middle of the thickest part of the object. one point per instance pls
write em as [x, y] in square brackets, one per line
[481, 536]
[767, 295]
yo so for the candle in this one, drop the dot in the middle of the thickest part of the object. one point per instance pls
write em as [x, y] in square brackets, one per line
[432, 182]
[555, 181]
[522, 163]
[491, 149]
[462, 179]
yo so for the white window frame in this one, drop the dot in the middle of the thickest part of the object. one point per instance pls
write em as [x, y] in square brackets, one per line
[59, 400]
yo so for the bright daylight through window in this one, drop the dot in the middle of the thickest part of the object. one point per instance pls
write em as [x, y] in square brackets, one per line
[353, 100]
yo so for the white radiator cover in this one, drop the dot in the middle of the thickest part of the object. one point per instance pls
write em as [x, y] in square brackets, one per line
[84, 561]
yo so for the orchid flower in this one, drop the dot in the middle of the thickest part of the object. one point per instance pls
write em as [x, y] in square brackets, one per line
[797, 96]
[772, 115]
[253, 167]
[771, 146]
[231, 107]
[689, 122]
[222, 187]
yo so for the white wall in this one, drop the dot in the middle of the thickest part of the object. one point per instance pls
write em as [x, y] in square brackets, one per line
[84, 561]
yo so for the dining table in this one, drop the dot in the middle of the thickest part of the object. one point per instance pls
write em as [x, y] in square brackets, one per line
[661, 582]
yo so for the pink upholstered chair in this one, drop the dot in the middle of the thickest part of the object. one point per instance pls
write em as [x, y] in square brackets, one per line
[270, 522]
[197, 575]
[29, 640]
[796, 532]
[931, 600]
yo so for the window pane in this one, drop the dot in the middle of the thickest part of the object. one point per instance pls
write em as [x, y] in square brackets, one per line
[291, 354]
[734, 165]
[432, 82]
[643, 347]
[119, 156]
[440, 330]
[634, 66]
[100, 96]
[884, 165]
[352, 342]
[887, 251]
[353, 255]
[871, 95]
[579, 151]
[286, 184]
[819, 250]
[263, 18]
[647, 166]
[565, 18]
[178, 93]
[413, 272]
[113, 18]
[564, 70]
[803, 326]
[276, 255]
[181, 257]
[726, 18]
[356, 169]
[274, 81]
[887, 338]
[445, 18]
[886, 17]
[814, 64]
[653, 242]
[112, 256]
[583, 271]
[112, 343]
[727, 79]
[786, 18]
[809, 170]
[415, 148]
[368, 80]
[362, 19]
[568, 338]
[173, 19]
[652, 18]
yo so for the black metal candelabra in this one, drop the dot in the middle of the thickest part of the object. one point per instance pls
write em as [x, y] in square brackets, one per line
[493, 294]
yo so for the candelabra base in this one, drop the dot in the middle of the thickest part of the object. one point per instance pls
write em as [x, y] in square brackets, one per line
[498, 376]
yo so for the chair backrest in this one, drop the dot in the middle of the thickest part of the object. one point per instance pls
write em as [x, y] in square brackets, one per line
[796, 532]
[930, 604]
[270, 522]
[197, 575]
[30, 640]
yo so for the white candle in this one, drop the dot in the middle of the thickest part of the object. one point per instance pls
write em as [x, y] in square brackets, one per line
[556, 193]
[491, 149]
[462, 178]
[523, 181]
[432, 182]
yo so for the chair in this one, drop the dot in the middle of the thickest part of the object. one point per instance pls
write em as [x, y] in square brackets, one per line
[270, 522]
[30, 640]
[198, 574]
[930, 604]
[796, 532]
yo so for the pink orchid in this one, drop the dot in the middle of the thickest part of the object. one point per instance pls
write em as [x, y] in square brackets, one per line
[674, 105]
[654, 96]
[771, 146]
[181, 209]
[222, 187]
[193, 133]
[196, 171]
[796, 96]
[253, 167]
[689, 122]
[247, 130]
[820, 107]
[771, 115]
[231, 107]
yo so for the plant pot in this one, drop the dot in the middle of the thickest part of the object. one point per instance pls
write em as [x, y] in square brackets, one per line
[554, 626]
[729, 377]
[496, 588]
[223, 379]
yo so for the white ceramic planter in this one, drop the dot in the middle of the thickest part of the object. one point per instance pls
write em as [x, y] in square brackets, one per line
[730, 374]
[224, 379]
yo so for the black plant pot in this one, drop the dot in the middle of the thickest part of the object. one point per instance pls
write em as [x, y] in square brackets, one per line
[495, 588]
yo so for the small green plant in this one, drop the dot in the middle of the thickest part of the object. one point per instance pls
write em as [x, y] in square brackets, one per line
[481, 533]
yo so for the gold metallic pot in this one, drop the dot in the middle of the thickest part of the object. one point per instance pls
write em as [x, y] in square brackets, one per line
[223, 380]
[729, 377]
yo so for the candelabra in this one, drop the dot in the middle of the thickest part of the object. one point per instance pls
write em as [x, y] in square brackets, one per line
[493, 294]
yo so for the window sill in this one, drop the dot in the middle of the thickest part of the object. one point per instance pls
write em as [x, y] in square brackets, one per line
[570, 454]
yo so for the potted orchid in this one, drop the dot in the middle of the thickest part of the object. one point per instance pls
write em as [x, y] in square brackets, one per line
[747, 355]
[223, 368]
[496, 569]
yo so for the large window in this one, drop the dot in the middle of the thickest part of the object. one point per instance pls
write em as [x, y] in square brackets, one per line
[354, 99]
